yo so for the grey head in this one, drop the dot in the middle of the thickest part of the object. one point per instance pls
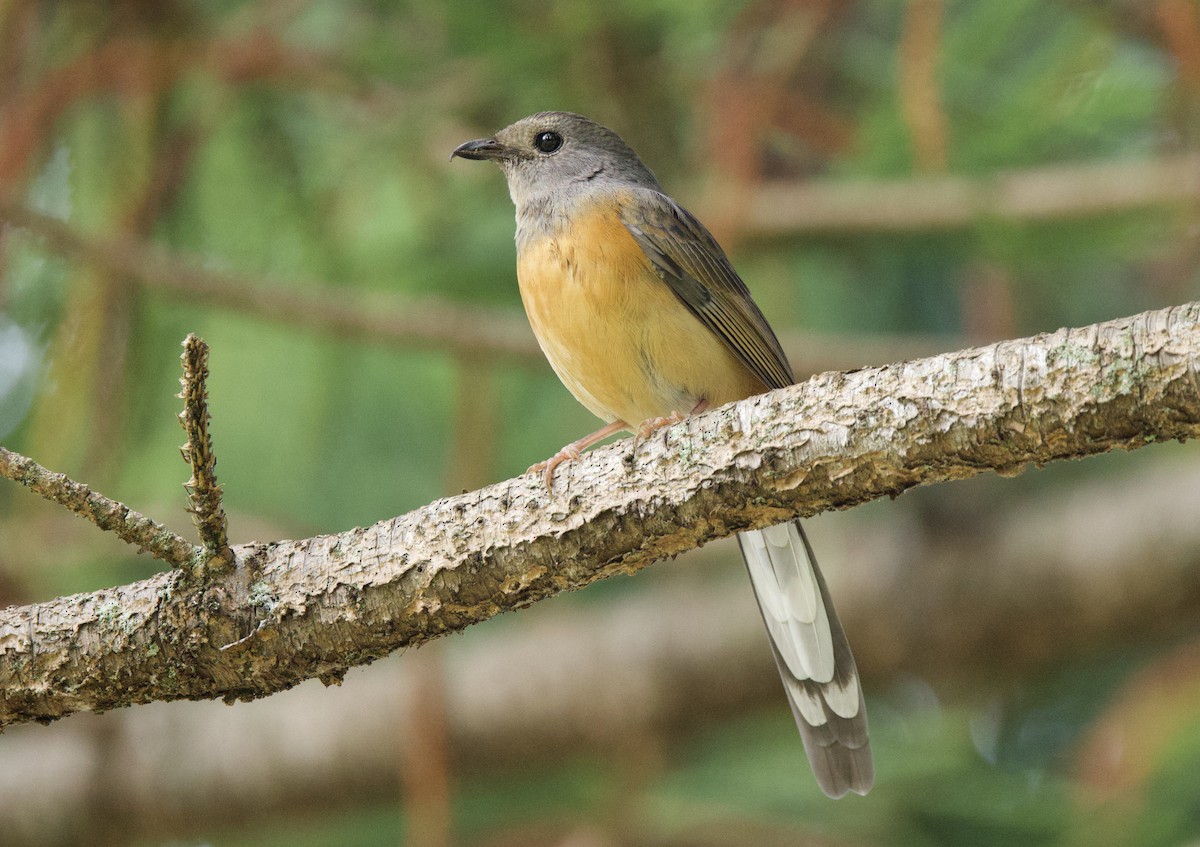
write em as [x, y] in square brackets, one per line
[553, 158]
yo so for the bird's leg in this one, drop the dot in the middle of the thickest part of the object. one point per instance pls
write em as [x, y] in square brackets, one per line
[573, 450]
[652, 425]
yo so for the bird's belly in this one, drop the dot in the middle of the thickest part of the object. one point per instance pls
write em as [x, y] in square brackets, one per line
[619, 339]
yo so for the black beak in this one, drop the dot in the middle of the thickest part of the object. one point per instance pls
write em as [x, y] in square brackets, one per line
[481, 148]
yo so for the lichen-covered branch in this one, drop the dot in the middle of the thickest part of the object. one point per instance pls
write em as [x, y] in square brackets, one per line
[204, 494]
[1050, 578]
[130, 526]
[291, 610]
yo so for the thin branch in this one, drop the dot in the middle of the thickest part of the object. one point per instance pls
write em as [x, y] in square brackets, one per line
[292, 610]
[430, 323]
[1062, 192]
[781, 208]
[130, 526]
[204, 494]
[920, 97]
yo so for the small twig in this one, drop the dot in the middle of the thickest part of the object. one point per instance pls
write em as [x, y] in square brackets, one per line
[204, 494]
[132, 527]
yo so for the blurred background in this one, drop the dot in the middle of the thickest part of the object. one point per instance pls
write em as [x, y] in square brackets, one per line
[892, 179]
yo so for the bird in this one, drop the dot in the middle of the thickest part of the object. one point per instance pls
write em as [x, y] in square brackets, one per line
[645, 321]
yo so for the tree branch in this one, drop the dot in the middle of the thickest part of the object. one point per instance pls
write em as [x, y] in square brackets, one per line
[432, 323]
[130, 526]
[1059, 192]
[428, 323]
[920, 94]
[1112, 562]
[291, 610]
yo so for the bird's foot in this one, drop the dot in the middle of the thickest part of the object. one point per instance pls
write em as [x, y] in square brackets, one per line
[546, 468]
[652, 425]
[573, 451]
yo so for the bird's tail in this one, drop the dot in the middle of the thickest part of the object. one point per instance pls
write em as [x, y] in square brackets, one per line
[813, 656]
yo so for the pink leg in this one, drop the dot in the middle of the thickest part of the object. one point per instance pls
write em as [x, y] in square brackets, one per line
[652, 425]
[573, 450]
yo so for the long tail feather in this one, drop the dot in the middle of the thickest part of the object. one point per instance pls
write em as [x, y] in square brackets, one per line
[813, 656]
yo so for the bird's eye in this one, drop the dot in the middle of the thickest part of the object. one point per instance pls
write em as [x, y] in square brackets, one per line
[547, 142]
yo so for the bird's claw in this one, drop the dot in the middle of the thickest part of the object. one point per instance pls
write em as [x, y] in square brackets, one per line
[546, 468]
[652, 425]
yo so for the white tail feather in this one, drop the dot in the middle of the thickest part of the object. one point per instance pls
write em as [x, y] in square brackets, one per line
[787, 589]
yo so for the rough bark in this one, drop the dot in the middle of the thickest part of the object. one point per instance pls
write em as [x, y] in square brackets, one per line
[130, 526]
[292, 610]
[1002, 592]
[203, 490]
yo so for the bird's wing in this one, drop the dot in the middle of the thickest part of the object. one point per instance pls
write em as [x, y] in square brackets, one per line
[691, 262]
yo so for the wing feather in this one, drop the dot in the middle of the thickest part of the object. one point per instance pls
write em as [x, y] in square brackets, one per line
[689, 260]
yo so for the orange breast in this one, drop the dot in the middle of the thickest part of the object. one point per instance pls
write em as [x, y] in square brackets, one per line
[614, 332]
